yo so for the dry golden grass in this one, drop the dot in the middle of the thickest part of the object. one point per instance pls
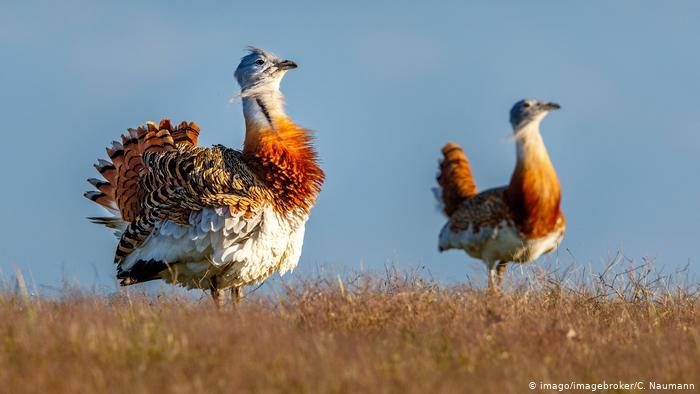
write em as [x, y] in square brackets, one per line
[396, 333]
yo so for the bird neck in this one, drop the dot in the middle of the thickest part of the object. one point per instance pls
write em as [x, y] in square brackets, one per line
[529, 146]
[534, 193]
[280, 153]
[262, 109]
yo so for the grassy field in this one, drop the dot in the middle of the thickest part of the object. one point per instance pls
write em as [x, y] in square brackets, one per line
[395, 333]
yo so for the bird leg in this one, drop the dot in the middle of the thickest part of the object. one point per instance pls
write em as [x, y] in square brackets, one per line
[500, 269]
[237, 294]
[496, 275]
[492, 275]
[218, 295]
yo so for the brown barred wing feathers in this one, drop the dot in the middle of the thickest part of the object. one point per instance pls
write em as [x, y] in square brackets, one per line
[178, 183]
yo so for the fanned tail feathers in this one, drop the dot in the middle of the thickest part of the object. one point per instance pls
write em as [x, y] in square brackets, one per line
[113, 222]
[120, 190]
[455, 178]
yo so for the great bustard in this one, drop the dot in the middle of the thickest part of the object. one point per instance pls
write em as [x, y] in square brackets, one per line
[514, 223]
[213, 218]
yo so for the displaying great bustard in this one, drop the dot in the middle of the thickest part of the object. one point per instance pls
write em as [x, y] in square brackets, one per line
[213, 218]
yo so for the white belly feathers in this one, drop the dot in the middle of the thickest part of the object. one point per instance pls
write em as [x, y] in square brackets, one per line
[502, 242]
[218, 242]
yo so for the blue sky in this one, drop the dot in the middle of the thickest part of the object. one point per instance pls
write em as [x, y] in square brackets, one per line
[384, 86]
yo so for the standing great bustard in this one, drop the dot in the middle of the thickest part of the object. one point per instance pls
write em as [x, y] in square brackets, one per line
[514, 223]
[213, 218]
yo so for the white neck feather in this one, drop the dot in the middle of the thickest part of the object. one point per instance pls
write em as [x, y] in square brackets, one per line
[263, 103]
[528, 141]
[261, 108]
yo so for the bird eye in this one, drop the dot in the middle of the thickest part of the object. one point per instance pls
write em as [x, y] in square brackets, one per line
[526, 104]
[260, 62]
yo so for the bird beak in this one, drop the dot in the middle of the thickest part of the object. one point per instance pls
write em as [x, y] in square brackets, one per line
[286, 65]
[550, 106]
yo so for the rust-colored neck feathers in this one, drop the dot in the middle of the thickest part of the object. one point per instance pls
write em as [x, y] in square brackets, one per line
[455, 179]
[534, 194]
[282, 156]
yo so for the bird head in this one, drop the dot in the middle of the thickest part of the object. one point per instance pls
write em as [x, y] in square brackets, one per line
[261, 71]
[526, 111]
